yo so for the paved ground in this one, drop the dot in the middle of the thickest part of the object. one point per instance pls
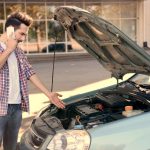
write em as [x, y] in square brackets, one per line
[70, 77]
[70, 74]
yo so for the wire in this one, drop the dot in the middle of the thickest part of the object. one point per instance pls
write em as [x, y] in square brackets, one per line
[53, 68]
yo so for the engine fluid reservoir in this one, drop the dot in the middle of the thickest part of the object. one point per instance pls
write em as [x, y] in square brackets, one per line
[79, 127]
[129, 111]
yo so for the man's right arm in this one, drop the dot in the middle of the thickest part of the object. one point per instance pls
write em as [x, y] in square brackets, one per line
[10, 47]
[3, 57]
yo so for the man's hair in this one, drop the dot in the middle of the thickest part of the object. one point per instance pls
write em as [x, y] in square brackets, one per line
[17, 18]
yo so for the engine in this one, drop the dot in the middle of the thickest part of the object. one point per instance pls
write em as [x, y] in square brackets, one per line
[91, 111]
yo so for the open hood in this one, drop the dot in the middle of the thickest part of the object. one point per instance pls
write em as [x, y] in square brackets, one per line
[112, 48]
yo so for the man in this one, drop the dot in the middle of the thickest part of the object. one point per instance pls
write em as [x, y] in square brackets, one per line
[14, 72]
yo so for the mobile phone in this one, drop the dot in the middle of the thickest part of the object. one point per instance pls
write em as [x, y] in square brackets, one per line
[10, 32]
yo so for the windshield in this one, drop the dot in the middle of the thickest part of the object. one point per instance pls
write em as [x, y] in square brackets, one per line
[141, 79]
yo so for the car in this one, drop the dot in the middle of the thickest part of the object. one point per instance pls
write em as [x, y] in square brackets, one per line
[58, 47]
[115, 117]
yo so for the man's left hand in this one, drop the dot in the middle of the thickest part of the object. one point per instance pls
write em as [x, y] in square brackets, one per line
[54, 99]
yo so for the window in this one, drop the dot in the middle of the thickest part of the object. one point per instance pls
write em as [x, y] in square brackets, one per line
[2, 11]
[36, 11]
[50, 8]
[42, 33]
[110, 10]
[55, 31]
[95, 8]
[37, 36]
[128, 18]
[37, 32]
[129, 27]
[1, 28]
[128, 6]
[12, 7]
[117, 14]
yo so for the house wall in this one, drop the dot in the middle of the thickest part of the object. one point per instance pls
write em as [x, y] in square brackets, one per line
[146, 21]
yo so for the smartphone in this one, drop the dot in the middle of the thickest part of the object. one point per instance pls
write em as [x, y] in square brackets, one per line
[10, 32]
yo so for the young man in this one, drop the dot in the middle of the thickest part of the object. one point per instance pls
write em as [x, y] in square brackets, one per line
[15, 70]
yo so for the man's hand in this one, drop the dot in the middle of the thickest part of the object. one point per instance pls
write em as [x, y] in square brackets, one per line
[54, 99]
[11, 44]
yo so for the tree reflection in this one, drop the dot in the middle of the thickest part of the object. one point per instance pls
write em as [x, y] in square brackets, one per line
[11, 7]
[37, 33]
[55, 30]
[36, 11]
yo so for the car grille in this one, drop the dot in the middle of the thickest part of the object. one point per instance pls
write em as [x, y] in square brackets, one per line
[36, 139]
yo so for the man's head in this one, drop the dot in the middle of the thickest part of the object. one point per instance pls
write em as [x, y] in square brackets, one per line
[21, 23]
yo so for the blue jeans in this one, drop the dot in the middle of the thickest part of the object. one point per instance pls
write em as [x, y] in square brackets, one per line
[9, 127]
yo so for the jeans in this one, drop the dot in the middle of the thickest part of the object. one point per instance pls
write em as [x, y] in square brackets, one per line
[9, 127]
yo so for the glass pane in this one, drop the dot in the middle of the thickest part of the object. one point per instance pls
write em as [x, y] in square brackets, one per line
[115, 23]
[2, 11]
[37, 33]
[129, 28]
[36, 11]
[110, 10]
[33, 47]
[95, 9]
[53, 32]
[128, 6]
[12, 7]
[75, 4]
[50, 8]
[1, 28]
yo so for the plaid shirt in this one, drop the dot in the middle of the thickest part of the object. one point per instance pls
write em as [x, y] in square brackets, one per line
[25, 72]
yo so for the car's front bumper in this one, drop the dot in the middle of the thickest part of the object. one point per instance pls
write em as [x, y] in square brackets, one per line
[25, 142]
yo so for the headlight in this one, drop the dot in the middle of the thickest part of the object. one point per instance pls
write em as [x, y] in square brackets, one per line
[71, 139]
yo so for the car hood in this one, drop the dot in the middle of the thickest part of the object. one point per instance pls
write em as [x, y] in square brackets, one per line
[111, 47]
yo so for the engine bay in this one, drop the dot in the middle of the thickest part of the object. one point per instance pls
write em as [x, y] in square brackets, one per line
[126, 100]
[94, 111]
[104, 107]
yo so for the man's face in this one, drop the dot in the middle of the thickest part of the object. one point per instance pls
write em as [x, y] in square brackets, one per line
[21, 33]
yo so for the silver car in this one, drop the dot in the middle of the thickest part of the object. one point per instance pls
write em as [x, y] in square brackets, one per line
[116, 117]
